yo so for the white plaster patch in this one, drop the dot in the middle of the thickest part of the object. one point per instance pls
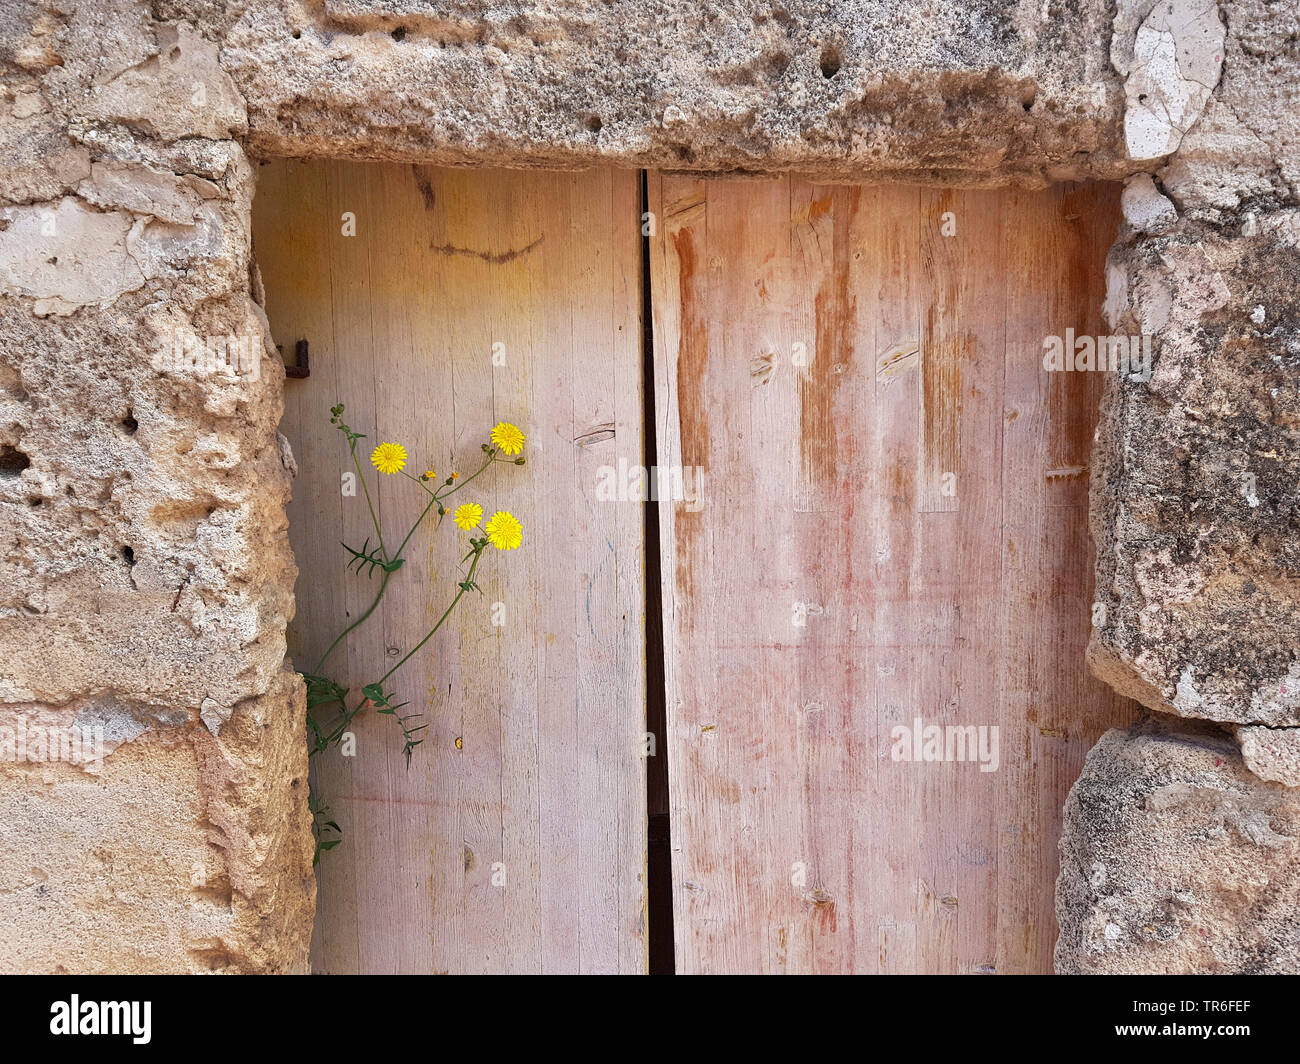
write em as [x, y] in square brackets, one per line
[1145, 208]
[1177, 58]
[1116, 302]
[1186, 697]
[1189, 701]
[66, 254]
[138, 188]
[161, 247]
[119, 726]
[180, 92]
[1155, 307]
[214, 714]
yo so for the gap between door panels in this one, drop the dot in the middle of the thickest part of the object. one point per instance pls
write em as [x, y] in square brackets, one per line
[659, 892]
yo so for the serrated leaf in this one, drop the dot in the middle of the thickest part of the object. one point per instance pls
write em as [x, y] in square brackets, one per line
[368, 559]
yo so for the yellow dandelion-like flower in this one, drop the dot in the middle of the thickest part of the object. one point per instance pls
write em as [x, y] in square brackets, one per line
[428, 474]
[455, 476]
[504, 530]
[468, 515]
[388, 457]
[508, 438]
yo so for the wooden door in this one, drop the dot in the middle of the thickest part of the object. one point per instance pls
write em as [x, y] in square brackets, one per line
[516, 840]
[894, 527]
[873, 511]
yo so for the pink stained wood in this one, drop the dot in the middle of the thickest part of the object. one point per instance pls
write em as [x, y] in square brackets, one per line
[886, 533]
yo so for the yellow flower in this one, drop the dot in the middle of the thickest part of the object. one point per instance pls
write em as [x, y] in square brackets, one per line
[508, 438]
[428, 474]
[504, 530]
[455, 476]
[468, 516]
[389, 457]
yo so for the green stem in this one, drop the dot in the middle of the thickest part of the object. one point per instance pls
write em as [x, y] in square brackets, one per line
[459, 594]
[456, 488]
[378, 595]
[349, 715]
[418, 520]
[366, 488]
[337, 733]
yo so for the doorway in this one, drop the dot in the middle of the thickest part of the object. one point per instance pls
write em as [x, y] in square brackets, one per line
[871, 515]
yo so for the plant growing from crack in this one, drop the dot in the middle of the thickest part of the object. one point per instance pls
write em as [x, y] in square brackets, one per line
[502, 530]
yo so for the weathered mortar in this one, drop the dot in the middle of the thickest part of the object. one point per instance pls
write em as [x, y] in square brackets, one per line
[147, 578]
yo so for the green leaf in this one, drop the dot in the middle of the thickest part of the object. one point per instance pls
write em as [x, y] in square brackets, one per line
[374, 559]
[321, 690]
[322, 847]
[320, 741]
[381, 701]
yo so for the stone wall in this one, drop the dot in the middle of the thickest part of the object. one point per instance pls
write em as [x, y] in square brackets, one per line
[1181, 850]
[147, 579]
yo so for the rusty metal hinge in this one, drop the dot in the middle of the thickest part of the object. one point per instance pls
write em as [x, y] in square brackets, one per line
[300, 368]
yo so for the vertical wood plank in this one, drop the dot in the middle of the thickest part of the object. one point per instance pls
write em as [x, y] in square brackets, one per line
[1058, 238]
[901, 621]
[836, 585]
[516, 840]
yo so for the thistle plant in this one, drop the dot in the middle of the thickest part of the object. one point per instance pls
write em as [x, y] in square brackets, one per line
[502, 531]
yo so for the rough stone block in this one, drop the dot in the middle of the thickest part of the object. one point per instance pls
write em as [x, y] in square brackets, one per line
[1176, 858]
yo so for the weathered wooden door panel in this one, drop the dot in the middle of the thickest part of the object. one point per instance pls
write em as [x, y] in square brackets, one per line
[893, 527]
[516, 840]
